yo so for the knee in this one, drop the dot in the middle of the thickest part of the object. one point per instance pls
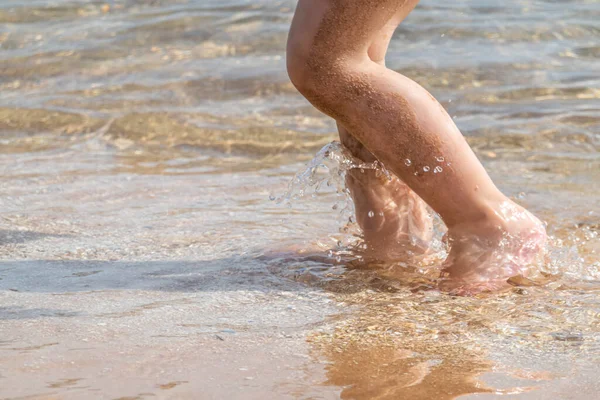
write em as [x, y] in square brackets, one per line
[317, 74]
[303, 68]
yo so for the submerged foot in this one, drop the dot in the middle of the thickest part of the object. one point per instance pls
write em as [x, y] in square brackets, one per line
[484, 255]
[395, 221]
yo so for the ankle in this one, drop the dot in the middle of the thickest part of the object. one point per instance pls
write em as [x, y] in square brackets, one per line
[487, 219]
[356, 148]
[498, 219]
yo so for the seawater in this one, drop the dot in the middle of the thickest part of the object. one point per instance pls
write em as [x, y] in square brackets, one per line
[328, 169]
[140, 254]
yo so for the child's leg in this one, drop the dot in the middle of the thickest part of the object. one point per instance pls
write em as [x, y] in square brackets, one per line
[393, 219]
[407, 129]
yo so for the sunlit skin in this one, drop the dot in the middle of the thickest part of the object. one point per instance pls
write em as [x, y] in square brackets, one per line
[335, 57]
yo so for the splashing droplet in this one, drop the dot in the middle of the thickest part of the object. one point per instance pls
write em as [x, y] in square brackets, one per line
[437, 170]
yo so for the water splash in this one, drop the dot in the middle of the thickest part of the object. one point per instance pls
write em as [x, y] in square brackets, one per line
[573, 258]
[554, 312]
[327, 171]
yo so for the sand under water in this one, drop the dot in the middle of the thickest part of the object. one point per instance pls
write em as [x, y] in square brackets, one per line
[140, 255]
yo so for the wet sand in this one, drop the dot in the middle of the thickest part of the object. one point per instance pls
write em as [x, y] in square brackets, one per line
[140, 254]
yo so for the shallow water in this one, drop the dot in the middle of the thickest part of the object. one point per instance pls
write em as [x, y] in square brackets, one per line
[139, 144]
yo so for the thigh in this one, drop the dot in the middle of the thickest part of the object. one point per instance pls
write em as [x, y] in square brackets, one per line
[378, 48]
[346, 26]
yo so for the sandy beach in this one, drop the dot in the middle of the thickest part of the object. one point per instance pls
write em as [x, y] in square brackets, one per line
[141, 255]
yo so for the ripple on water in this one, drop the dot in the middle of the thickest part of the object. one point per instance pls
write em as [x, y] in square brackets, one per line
[424, 336]
[142, 130]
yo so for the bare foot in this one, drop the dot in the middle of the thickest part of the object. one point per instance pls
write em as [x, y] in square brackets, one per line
[394, 220]
[484, 255]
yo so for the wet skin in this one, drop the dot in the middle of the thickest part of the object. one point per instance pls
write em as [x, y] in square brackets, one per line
[335, 59]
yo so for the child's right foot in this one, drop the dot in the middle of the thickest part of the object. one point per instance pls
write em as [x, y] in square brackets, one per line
[395, 222]
[484, 255]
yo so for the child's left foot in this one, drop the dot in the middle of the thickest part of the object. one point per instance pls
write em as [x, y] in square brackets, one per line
[484, 255]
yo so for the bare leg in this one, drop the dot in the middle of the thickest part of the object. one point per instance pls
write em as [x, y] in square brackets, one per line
[402, 125]
[394, 220]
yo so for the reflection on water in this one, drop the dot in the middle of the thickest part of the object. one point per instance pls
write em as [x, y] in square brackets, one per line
[380, 371]
[410, 341]
[139, 143]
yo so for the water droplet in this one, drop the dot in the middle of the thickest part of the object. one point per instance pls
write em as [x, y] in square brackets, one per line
[407, 162]
[362, 170]
[381, 213]
[437, 170]
[440, 159]
[450, 101]
[335, 207]
[371, 214]
[426, 168]
[521, 195]
[272, 198]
